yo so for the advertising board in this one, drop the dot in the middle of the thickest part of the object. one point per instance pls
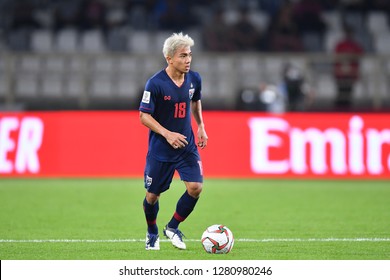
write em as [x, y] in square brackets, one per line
[241, 144]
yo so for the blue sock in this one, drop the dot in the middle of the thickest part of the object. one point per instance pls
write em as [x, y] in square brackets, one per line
[184, 207]
[151, 211]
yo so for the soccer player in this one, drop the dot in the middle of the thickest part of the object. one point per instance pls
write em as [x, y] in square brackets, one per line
[170, 97]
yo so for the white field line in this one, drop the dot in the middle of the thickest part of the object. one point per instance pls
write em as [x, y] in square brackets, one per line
[196, 240]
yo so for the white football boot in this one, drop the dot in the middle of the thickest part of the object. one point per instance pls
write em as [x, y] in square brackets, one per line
[176, 237]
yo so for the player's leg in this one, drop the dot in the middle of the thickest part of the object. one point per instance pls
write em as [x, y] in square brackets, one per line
[158, 177]
[191, 173]
[186, 203]
[151, 208]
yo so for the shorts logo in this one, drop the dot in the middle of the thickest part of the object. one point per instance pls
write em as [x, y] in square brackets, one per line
[146, 97]
[148, 180]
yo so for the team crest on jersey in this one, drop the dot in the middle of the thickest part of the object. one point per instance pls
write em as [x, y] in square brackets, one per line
[191, 92]
[148, 181]
[146, 97]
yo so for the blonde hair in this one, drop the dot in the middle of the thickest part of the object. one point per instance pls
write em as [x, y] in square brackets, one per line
[176, 40]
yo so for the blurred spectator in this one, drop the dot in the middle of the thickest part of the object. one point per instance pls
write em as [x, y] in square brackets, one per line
[93, 15]
[216, 34]
[17, 24]
[117, 31]
[329, 5]
[139, 14]
[354, 5]
[299, 94]
[283, 33]
[245, 35]
[22, 16]
[307, 15]
[173, 15]
[291, 94]
[271, 7]
[273, 98]
[67, 14]
[346, 67]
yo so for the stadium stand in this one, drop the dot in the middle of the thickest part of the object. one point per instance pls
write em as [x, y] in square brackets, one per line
[97, 54]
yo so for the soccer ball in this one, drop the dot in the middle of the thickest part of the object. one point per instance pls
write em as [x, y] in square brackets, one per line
[217, 239]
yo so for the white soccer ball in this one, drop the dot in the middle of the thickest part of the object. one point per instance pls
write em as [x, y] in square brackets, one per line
[217, 239]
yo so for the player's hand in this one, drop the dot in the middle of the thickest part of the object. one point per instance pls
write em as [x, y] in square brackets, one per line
[202, 139]
[177, 140]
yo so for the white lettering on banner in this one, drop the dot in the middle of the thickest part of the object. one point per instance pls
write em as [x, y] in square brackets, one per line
[30, 140]
[28, 143]
[375, 140]
[318, 141]
[7, 144]
[261, 141]
[356, 146]
[346, 150]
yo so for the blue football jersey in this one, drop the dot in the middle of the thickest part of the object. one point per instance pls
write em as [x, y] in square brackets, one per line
[170, 105]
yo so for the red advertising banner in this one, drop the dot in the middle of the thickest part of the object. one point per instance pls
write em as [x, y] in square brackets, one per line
[241, 144]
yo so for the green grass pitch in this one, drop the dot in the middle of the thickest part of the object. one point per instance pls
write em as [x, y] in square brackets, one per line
[102, 219]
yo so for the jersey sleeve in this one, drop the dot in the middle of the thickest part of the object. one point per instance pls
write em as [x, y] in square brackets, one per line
[147, 104]
[198, 87]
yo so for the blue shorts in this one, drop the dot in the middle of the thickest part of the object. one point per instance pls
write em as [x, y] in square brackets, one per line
[158, 174]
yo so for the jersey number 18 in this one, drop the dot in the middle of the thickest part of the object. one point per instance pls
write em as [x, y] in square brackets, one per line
[180, 110]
